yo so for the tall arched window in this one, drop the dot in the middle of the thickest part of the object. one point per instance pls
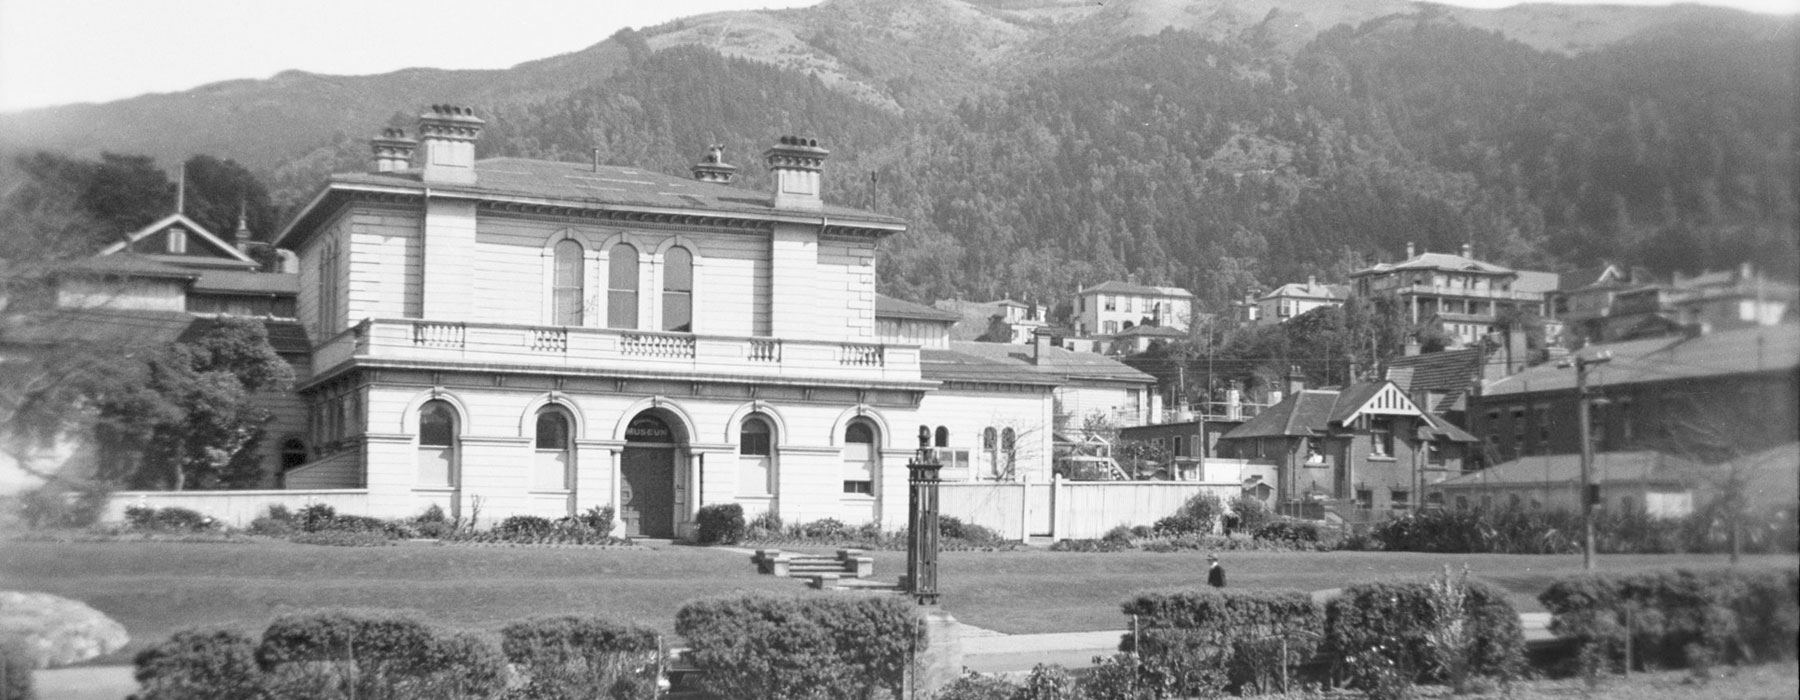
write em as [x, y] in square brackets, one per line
[437, 444]
[990, 452]
[1009, 448]
[622, 287]
[860, 457]
[756, 457]
[555, 450]
[678, 290]
[942, 437]
[567, 285]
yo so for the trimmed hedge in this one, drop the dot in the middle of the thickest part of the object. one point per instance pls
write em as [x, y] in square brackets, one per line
[166, 519]
[1731, 615]
[374, 654]
[762, 646]
[199, 665]
[1204, 640]
[588, 657]
[721, 523]
[1399, 629]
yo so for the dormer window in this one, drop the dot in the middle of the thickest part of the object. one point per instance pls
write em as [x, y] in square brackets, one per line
[177, 243]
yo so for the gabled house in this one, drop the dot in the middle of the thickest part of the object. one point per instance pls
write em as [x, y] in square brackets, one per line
[1367, 449]
[1292, 300]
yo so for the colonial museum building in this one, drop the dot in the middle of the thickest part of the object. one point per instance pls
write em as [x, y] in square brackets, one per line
[511, 336]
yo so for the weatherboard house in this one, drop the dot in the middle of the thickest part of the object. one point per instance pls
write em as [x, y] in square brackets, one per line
[508, 336]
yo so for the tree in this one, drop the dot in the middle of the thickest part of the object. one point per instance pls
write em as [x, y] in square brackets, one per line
[176, 417]
[217, 190]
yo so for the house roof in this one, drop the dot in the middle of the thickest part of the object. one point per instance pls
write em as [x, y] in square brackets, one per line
[1117, 287]
[582, 185]
[192, 226]
[1435, 261]
[889, 307]
[1740, 351]
[129, 264]
[1608, 467]
[1314, 411]
[1152, 331]
[1534, 281]
[1309, 290]
[1450, 370]
[969, 361]
[240, 281]
[1436, 428]
[137, 327]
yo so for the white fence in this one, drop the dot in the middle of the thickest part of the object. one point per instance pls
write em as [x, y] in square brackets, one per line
[238, 508]
[1071, 509]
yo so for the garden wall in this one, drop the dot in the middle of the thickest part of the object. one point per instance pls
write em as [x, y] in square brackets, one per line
[1065, 509]
[237, 508]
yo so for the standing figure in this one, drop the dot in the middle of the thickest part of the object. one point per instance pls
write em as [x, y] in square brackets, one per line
[1215, 576]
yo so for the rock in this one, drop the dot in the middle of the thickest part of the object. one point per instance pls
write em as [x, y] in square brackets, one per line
[59, 631]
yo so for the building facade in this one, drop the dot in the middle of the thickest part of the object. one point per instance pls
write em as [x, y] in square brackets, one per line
[512, 336]
[1291, 300]
[1456, 294]
[1110, 307]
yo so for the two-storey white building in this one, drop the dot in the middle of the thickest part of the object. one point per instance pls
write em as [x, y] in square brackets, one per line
[530, 337]
[1110, 307]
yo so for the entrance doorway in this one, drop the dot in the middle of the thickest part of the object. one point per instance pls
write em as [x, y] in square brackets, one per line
[647, 472]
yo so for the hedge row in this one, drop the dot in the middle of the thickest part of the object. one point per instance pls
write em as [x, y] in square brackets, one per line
[381, 654]
[762, 646]
[1519, 531]
[1678, 618]
[1382, 638]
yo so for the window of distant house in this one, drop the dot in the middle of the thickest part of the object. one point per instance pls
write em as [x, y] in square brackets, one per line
[328, 286]
[1381, 437]
[1400, 500]
[622, 287]
[1009, 450]
[566, 284]
[177, 241]
[437, 444]
[1434, 454]
[1109, 303]
[1176, 450]
[860, 455]
[756, 457]
[678, 290]
[1111, 327]
[555, 452]
[293, 453]
[1365, 499]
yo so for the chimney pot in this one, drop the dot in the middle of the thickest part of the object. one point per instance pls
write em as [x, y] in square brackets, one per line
[1296, 380]
[713, 168]
[1409, 250]
[1040, 345]
[393, 151]
[448, 134]
[1468, 250]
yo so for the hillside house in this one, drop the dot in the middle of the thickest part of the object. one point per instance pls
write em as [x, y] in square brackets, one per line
[1110, 307]
[1289, 301]
[1456, 294]
[1366, 449]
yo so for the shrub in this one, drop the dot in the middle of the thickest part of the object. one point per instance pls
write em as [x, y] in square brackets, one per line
[199, 665]
[57, 504]
[1296, 532]
[433, 514]
[1378, 630]
[761, 646]
[1251, 513]
[1205, 508]
[1120, 534]
[1198, 641]
[599, 519]
[824, 528]
[371, 654]
[764, 524]
[1049, 682]
[317, 516]
[17, 664]
[721, 523]
[974, 686]
[1137, 531]
[434, 529]
[1731, 615]
[570, 656]
[971, 533]
[1179, 525]
[1090, 546]
[524, 527]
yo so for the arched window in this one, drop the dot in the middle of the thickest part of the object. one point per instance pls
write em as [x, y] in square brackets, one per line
[860, 457]
[990, 452]
[678, 290]
[567, 285]
[756, 457]
[622, 287]
[437, 444]
[942, 437]
[293, 453]
[555, 450]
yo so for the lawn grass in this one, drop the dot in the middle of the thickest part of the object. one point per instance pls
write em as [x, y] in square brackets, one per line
[155, 588]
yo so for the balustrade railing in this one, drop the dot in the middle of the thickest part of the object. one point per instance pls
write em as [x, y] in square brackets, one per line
[859, 355]
[649, 345]
[439, 335]
[764, 350]
[549, 340]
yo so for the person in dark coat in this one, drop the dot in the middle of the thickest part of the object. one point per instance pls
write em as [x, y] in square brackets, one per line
[1215, 576]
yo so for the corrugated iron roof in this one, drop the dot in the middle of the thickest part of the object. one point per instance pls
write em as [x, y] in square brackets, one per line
[889, 307]
[1117, 287]
[1435, 261]
[1740, 351]
[254, 282]
[1608, 467]
[969, 359]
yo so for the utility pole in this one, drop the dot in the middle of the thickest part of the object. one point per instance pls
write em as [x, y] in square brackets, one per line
[1586, 490]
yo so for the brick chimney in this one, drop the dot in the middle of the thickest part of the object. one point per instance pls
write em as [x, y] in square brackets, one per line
[1409, 250]
[1040, 345]
[449, 133]
[1296, 380]
[393, 150]
[1468, 250]
[796, 163]
[1411, 348]
[713, 168]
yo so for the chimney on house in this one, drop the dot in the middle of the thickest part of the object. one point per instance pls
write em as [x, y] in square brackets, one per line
[1296, 380]
[1411, 348]
[393, 150]
[713, 168]
[1468, 250]
[796, 163]
[1312, 282]
[448, 134]
[1517, 349]
[241, 236]
[1409, 250]
[1040, 345]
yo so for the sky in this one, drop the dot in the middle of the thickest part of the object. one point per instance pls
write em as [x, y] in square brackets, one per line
[51, 50]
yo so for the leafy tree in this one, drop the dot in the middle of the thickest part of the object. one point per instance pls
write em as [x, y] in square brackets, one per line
[218, 189]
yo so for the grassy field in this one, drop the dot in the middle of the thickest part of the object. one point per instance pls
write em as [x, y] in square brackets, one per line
[155, 588]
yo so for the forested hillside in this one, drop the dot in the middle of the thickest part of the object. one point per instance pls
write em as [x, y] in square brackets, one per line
[1042, 145]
